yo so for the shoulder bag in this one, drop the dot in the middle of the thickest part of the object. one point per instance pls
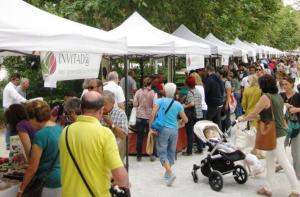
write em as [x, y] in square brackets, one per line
[266, 133]
[121, 192]
[37, 183]
[159, 121]
[191, 111]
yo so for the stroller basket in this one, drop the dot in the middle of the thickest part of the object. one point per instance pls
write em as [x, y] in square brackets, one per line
[234, 156]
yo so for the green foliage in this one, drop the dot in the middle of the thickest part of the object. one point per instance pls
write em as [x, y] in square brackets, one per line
[260, 21]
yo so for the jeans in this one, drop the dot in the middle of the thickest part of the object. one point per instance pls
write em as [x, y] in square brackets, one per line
[280, 154]
[190, 135]
[226, 122]
[189, 127]
[214, 114]
[166, 145]
[238, 110]
[141, 126]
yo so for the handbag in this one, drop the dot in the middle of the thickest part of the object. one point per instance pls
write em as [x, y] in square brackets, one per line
[37, 183]
[132, 118]
[266, 134]
[121, 192]
[191, 111]
[150, 144]
[293, 128]
[159, 121]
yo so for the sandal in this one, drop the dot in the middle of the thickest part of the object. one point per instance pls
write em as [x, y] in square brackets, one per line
[264, 192]
[294, 195]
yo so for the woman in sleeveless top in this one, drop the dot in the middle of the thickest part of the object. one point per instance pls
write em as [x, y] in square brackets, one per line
[144, 102]
[292, 101]
[263, 108]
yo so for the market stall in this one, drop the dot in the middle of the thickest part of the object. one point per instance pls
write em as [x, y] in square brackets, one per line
[27, 30]
[237, 52]
[219, 54]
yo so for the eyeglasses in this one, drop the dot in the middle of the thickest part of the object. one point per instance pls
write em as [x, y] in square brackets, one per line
[258, 69]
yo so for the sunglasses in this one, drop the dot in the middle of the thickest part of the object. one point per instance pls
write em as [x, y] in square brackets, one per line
[258, 69]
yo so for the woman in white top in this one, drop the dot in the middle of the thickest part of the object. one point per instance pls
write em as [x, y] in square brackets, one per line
[200, 88]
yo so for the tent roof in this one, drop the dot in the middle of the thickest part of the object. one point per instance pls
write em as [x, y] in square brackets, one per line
[26, 28]
[238, 52]
[251, 50]
[183, 32]
[144, 38]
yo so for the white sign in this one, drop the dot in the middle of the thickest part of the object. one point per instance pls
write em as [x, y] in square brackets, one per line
[50, 84]
[225, 60]
[194, 62]
[67, 66]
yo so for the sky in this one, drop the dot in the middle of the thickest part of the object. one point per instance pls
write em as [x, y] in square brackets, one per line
[289, 2]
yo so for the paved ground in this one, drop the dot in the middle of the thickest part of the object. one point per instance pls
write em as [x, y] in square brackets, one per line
[147, 180]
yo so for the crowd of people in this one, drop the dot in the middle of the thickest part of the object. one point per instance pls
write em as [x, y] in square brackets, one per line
[79, 147]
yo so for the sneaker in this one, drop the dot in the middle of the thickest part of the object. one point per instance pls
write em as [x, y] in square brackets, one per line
[186, 154]
[152, 158]
[166, 176]
[139, 158]
[171, 180]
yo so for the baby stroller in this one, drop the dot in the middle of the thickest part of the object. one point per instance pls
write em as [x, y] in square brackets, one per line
[218, 162]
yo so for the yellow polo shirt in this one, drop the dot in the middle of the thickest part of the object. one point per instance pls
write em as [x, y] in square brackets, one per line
[95, 150]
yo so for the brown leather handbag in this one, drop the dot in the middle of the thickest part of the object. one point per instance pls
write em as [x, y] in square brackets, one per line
[266, 134]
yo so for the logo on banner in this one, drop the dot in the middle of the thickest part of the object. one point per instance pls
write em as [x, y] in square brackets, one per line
[49, 63]
[68, 66]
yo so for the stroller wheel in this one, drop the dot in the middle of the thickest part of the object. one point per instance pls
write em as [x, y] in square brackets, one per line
[216, 180]
[195, 176]
[240, 174]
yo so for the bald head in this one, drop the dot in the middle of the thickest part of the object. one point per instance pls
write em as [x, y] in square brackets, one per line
[91, 101]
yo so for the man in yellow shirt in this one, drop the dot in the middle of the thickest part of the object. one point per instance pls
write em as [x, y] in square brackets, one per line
[95, 151]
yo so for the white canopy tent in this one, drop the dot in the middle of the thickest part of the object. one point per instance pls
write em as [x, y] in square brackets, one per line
[237, 52]
[183, 32]
[143, 38]
[258, 49]
[26, 28]
[251, 51]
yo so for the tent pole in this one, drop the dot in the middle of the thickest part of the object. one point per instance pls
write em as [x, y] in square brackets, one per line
[126, 105]
[142, 71]
[173, 68]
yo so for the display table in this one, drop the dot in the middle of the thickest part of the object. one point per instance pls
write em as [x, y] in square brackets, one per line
[181, 142]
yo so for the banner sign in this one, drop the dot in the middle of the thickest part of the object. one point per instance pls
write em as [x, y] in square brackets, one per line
[194, 62]
[225, 60]
[67, 66]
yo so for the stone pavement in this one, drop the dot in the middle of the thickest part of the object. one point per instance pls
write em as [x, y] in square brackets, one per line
[147, 181]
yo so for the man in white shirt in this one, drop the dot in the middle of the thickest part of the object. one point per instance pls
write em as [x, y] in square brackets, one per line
[23, 87]
[112, 86]
[11, 96]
